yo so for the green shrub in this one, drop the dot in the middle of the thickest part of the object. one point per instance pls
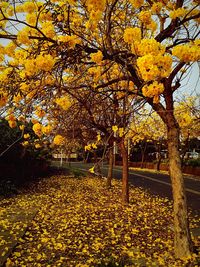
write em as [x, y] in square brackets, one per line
[193, 162]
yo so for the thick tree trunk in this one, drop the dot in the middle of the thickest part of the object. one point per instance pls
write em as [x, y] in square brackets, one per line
[125, 186]
[110, 168]
[182, 238]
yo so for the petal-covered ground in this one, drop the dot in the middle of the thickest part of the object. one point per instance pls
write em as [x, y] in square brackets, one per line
[81, 223]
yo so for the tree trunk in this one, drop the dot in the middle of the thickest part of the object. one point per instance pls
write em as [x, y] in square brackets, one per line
[182, 238]
[143, 150]
[110, 168]
[159, 157]
[125, 186]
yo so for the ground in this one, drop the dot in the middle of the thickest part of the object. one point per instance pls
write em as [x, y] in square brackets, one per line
[69, 221]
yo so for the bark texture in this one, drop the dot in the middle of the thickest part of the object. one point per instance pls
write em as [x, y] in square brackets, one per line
[182, 238]
[125, 185]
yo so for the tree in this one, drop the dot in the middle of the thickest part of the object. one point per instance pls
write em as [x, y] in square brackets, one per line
[145, 127]
[187, 114]
[143, 44]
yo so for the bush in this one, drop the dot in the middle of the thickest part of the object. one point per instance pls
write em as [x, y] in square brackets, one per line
[17, 163]
[192, 162]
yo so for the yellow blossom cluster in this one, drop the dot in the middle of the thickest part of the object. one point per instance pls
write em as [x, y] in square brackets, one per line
[2, 51]
[187, 52]
[58, 140]
[31, 18]
[90, 146]
[22, 127]
[153, 90]
[156, 7]
[11, 120]
[47, 129]
[93, 145]
[37, 145]
[9, 49]
[95, 72]
[153, 67]
[120, 130]
[3, 98]
[6, 9]
[150, 46]
[136, 3]
[48, 29]
[26, 136]
[115, 128]
[64, 102]
[177, 13]
[17, 98]
[71, 40]
[132, 35]
[42, 62]
[96, 5]
[45, 62]
[37, 128]
[30, 67]
[95, 8]
[25, 143]
[24, 87]
[145, 18]
[97, 57]
[28, 7]
[40, 112]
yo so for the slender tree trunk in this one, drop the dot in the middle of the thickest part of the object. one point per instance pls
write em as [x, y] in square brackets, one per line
[182, 238]
[143, 150]
[125, 186]
[110, 168]
[159, 157]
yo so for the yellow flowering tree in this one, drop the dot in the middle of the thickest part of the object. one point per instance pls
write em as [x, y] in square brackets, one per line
[69, 46]
[146, 127]
[187, 114]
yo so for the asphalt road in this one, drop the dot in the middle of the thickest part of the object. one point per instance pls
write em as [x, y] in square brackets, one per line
[156, 183]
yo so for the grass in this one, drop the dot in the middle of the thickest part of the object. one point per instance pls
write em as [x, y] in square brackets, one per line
[80, 223]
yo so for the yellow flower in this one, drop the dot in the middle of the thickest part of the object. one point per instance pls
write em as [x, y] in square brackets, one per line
[26, 136]
[40, 112]
[91, 170]
[48, 29]
[179, 12]
[46, 129]
[115, 128]
[29, 7]
[23, 37]
[37, 128]
[58, 140]
[21, 127]
[88, 147]
[97, 57]
[132, 34]
[38, 145]
[145, 17]
[188, 52]
[150, 46]
[3, 98]
[64, 102]
[121, 132]
[45, 62]
[136, 3]
[152, 90]
[71, 40]
[12, 123]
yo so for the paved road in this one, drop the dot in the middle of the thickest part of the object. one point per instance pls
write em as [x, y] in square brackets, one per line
[156, 183]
